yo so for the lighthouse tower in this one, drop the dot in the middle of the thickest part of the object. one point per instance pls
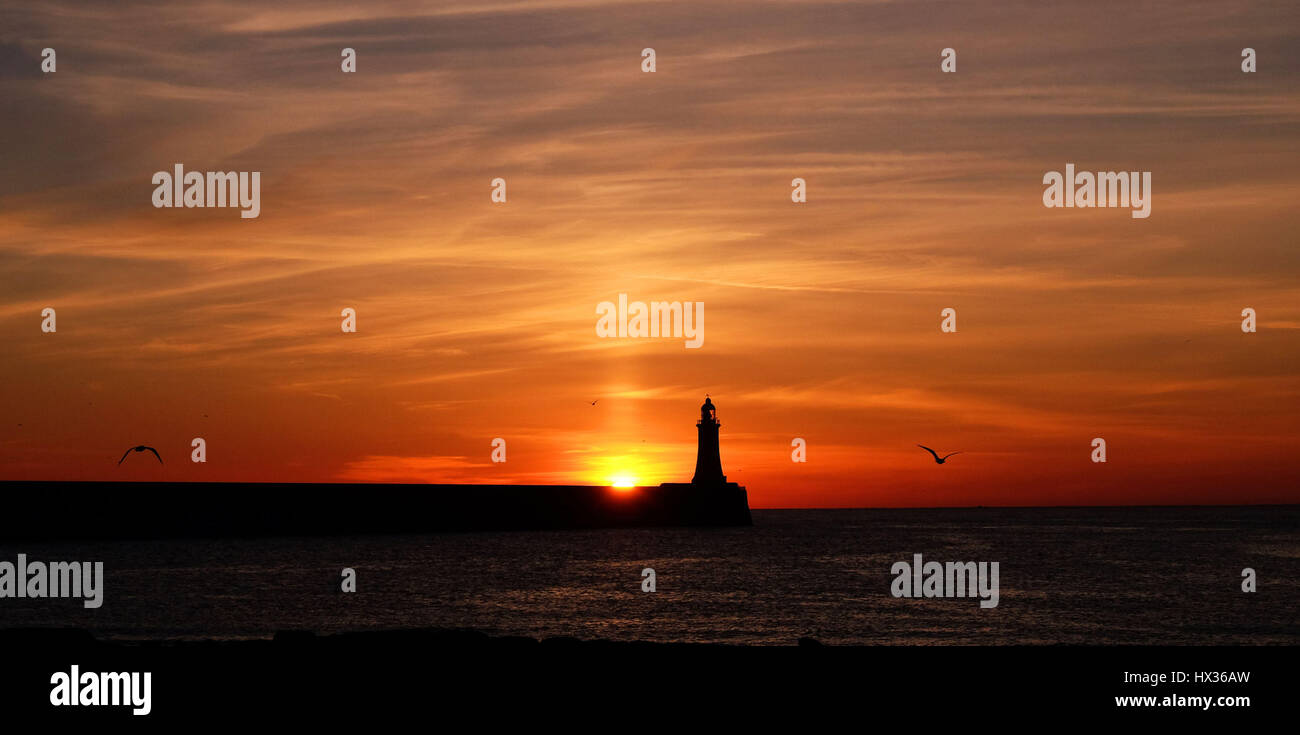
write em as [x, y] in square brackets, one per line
[708, 463]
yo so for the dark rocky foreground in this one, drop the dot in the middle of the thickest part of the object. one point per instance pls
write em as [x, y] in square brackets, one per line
[439, 677]
[300, 641]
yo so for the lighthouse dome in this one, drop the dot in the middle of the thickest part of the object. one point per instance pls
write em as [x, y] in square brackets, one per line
[708, 414]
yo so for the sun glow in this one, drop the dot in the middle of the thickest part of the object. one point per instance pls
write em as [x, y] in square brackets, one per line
[622, 480]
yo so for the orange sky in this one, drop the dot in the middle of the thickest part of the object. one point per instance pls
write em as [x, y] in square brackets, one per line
[476, 320]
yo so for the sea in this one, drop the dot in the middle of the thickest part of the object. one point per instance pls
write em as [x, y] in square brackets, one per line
[1081, 576]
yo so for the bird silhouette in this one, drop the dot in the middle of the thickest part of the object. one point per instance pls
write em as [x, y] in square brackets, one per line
[140, 448]
[937, 458]
[595, 401]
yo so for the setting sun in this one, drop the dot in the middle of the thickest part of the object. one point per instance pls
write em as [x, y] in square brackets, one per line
[622, 480]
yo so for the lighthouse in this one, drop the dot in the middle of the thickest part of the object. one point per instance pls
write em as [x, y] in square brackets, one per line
[708, 463]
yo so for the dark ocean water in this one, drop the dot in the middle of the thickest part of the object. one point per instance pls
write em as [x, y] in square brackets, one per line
[1067, 575]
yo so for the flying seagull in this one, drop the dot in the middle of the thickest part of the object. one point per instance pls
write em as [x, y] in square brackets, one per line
[595, 401]
[140, 448]
[937, 458]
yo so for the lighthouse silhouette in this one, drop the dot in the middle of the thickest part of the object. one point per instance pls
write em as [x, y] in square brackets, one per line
[708, 462]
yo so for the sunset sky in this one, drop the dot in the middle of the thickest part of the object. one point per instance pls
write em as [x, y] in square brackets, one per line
[476, 320]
